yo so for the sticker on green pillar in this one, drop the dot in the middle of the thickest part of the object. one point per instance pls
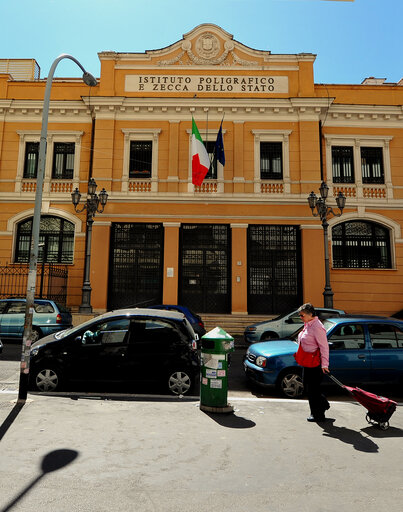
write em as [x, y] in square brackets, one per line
[213, 360]
[216, 383]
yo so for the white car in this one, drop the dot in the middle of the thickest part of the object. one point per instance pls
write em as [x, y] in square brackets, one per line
[284, 325]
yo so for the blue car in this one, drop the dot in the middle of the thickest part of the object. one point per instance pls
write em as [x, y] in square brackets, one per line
[48, 317]
[363, 350]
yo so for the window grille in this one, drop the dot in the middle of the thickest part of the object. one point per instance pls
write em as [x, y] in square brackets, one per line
[31, 160]
[361, 244]
[343, 164]
[56, 240]
[63, 160]
[212, 172]
[271, 160]
[140, 159]
[372, 165]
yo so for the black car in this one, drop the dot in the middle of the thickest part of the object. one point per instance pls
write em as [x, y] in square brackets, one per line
[127, 346]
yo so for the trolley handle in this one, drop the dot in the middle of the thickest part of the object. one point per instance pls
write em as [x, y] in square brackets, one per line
[335, 380]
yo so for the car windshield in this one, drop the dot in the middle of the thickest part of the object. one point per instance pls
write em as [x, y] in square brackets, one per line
[66, 332]
[294, 335]
[328, 324]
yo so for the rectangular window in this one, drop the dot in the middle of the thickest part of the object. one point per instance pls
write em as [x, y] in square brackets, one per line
[342, 164]
[382, 336]
[372, 165]
[140, 159]
[271, 160]
[212, 172]
[63, 160]
[347, 337]
[31, 160]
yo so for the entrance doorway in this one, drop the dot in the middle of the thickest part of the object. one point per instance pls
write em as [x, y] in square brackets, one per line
[136, 265]
[204, 281]
[274, 269]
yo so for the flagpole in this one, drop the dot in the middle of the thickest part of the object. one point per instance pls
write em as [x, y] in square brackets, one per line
[206, 125]
[214, 150]
[206, 139]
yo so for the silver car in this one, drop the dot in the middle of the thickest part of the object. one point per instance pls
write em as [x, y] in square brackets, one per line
[284, 325]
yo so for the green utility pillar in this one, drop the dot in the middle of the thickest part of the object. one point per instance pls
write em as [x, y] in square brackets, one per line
[215, 347]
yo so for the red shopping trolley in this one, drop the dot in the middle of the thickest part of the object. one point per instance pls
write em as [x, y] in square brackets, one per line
[379, 408]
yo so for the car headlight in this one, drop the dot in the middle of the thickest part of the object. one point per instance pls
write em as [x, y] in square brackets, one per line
[250, 329]
[261, 361]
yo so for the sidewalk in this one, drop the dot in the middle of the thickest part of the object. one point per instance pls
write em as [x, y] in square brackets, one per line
[166, 455]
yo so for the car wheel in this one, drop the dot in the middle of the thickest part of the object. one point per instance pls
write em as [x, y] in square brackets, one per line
[290, 384]
[267, 336]
[36, 335]
[179, 382]
[48, 378]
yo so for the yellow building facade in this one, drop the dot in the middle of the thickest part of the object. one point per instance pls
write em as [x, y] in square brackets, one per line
[245, 241]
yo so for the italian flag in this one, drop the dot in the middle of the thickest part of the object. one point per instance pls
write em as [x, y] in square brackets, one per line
[200, 158]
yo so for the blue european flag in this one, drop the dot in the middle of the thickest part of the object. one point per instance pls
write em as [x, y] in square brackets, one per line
[219, 147]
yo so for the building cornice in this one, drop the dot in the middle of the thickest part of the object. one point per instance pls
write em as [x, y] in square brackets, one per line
[31, 110]
[180, 109]
[363, 115]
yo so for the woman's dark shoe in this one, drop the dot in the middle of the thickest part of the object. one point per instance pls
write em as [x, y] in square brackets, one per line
[316, 419]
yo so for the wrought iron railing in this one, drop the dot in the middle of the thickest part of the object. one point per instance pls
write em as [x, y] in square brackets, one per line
[51, 281]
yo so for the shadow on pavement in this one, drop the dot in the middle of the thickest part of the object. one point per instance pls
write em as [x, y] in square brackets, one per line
[231, 420]
[51, 462]
[348, 436]
[122, 397]
[374, 431]
[15, 411]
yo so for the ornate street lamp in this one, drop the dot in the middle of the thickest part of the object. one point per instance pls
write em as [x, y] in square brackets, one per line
[91, 81]
[94, 204]
[324, 212]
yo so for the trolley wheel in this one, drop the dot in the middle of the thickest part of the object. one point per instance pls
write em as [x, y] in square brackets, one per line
[384, 425]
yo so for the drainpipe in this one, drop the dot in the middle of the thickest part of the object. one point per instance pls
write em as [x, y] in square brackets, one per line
[85, 297]
[322, 174]
[92, 145]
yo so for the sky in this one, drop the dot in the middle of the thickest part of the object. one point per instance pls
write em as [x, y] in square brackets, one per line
[353, 39]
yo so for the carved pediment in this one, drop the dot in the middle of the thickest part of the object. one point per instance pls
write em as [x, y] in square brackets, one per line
[209, 45]
[206, 46]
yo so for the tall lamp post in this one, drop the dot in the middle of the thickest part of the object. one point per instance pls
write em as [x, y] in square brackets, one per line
[95, 203]
[324, 212]
[36, 222]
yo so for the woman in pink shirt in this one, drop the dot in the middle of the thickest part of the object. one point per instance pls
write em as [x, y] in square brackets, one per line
[313, 337]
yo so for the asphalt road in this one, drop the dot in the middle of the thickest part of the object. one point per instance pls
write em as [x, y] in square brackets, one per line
[11, 351]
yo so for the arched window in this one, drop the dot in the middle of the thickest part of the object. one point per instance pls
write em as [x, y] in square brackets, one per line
[361, 244]
[56, 240]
